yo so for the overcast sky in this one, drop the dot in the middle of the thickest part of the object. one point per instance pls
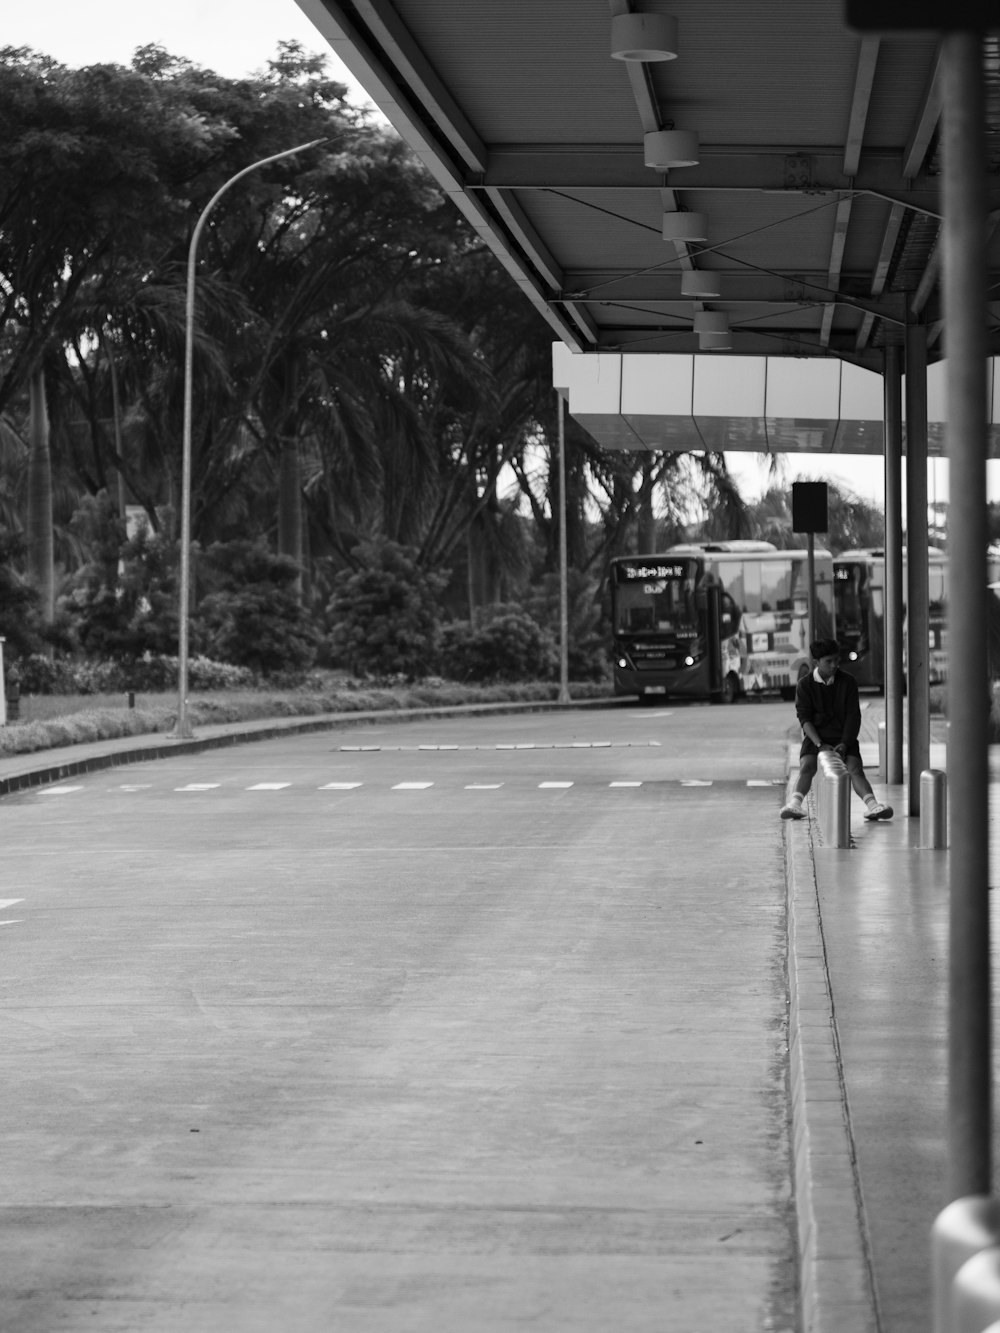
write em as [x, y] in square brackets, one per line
[236, 37]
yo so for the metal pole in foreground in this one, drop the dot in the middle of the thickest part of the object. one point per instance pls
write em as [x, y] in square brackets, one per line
[563, 571]
[964, 246]
[182, 729]
[894, 600]
[917, 614]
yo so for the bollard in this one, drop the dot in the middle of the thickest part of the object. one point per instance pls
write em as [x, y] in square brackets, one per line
[961, 1230]
[933, 809]
[975, 1293]
[833, 804]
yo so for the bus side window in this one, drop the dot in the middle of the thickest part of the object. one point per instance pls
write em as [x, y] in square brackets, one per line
[730, 616]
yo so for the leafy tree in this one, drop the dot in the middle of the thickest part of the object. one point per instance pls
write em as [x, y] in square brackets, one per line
[853, 522]
[385, 614]
[18, 603]
[588, 634]
[250, 615]
[121, 604]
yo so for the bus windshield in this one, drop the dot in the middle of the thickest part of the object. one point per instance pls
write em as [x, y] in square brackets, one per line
[656, 598]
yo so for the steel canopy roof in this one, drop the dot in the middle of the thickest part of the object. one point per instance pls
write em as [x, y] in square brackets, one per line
[818, 164]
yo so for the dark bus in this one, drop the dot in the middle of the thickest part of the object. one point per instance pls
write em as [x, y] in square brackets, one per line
[859, 595]
[716, 621]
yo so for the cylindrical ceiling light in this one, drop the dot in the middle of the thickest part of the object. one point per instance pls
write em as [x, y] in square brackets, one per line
[715, 342]
[711, 321]
[700, 284]
[643, 37]
[685, 227]
[665, 149]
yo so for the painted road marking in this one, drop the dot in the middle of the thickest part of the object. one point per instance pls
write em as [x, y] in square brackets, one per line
[424, 786]
[9, 902]
[505, 745]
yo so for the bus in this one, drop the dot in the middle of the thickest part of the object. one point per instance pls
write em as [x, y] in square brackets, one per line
[717, 620]
[859, 600]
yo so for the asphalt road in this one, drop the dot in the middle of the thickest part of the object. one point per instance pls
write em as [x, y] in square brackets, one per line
[465, 1025]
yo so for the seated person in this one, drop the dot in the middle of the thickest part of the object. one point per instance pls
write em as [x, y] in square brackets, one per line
[829, 712]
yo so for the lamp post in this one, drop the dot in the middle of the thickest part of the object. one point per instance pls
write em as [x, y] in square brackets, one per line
[182, 729]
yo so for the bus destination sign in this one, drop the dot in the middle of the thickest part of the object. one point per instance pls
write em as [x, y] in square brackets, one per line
[652, 570]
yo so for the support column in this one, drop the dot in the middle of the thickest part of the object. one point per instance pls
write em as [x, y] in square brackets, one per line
[964, 249]
[917, 587]
[894, 599]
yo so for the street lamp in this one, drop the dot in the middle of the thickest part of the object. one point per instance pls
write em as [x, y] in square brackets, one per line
[182, 729]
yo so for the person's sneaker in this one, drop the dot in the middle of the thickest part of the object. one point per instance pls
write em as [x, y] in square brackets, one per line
[793, 810]
[878, 811]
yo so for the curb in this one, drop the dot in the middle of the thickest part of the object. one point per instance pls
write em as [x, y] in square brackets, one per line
[136, 750]
[836, 1281]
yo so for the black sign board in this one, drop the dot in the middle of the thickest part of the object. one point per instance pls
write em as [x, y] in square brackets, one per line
[920, 15]
[809, 506]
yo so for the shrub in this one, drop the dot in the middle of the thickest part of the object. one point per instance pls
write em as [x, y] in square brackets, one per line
[508, 646]
[252, 616]
[385, 614]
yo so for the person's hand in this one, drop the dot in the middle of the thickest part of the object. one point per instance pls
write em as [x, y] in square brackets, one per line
[841, 750]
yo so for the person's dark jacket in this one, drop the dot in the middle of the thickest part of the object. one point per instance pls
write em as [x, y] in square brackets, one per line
[834, 710]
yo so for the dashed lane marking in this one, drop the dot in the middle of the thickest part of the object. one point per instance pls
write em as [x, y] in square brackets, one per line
[64, 790]
[9, 902]
[508, 745]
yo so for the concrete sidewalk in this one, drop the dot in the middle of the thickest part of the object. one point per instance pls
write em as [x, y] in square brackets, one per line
[868, 983]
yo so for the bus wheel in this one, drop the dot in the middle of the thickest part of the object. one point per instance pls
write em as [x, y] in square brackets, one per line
[730, 691]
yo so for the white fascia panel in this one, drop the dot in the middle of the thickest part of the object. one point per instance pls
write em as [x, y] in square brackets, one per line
[729, 386]
[658, 385]
[595, 383]
[802, 388]
[562, 371]
[862, 393]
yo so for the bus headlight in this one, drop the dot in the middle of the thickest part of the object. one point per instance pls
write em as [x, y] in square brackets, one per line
[623, 662]
[852, 656]
[689, 660]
